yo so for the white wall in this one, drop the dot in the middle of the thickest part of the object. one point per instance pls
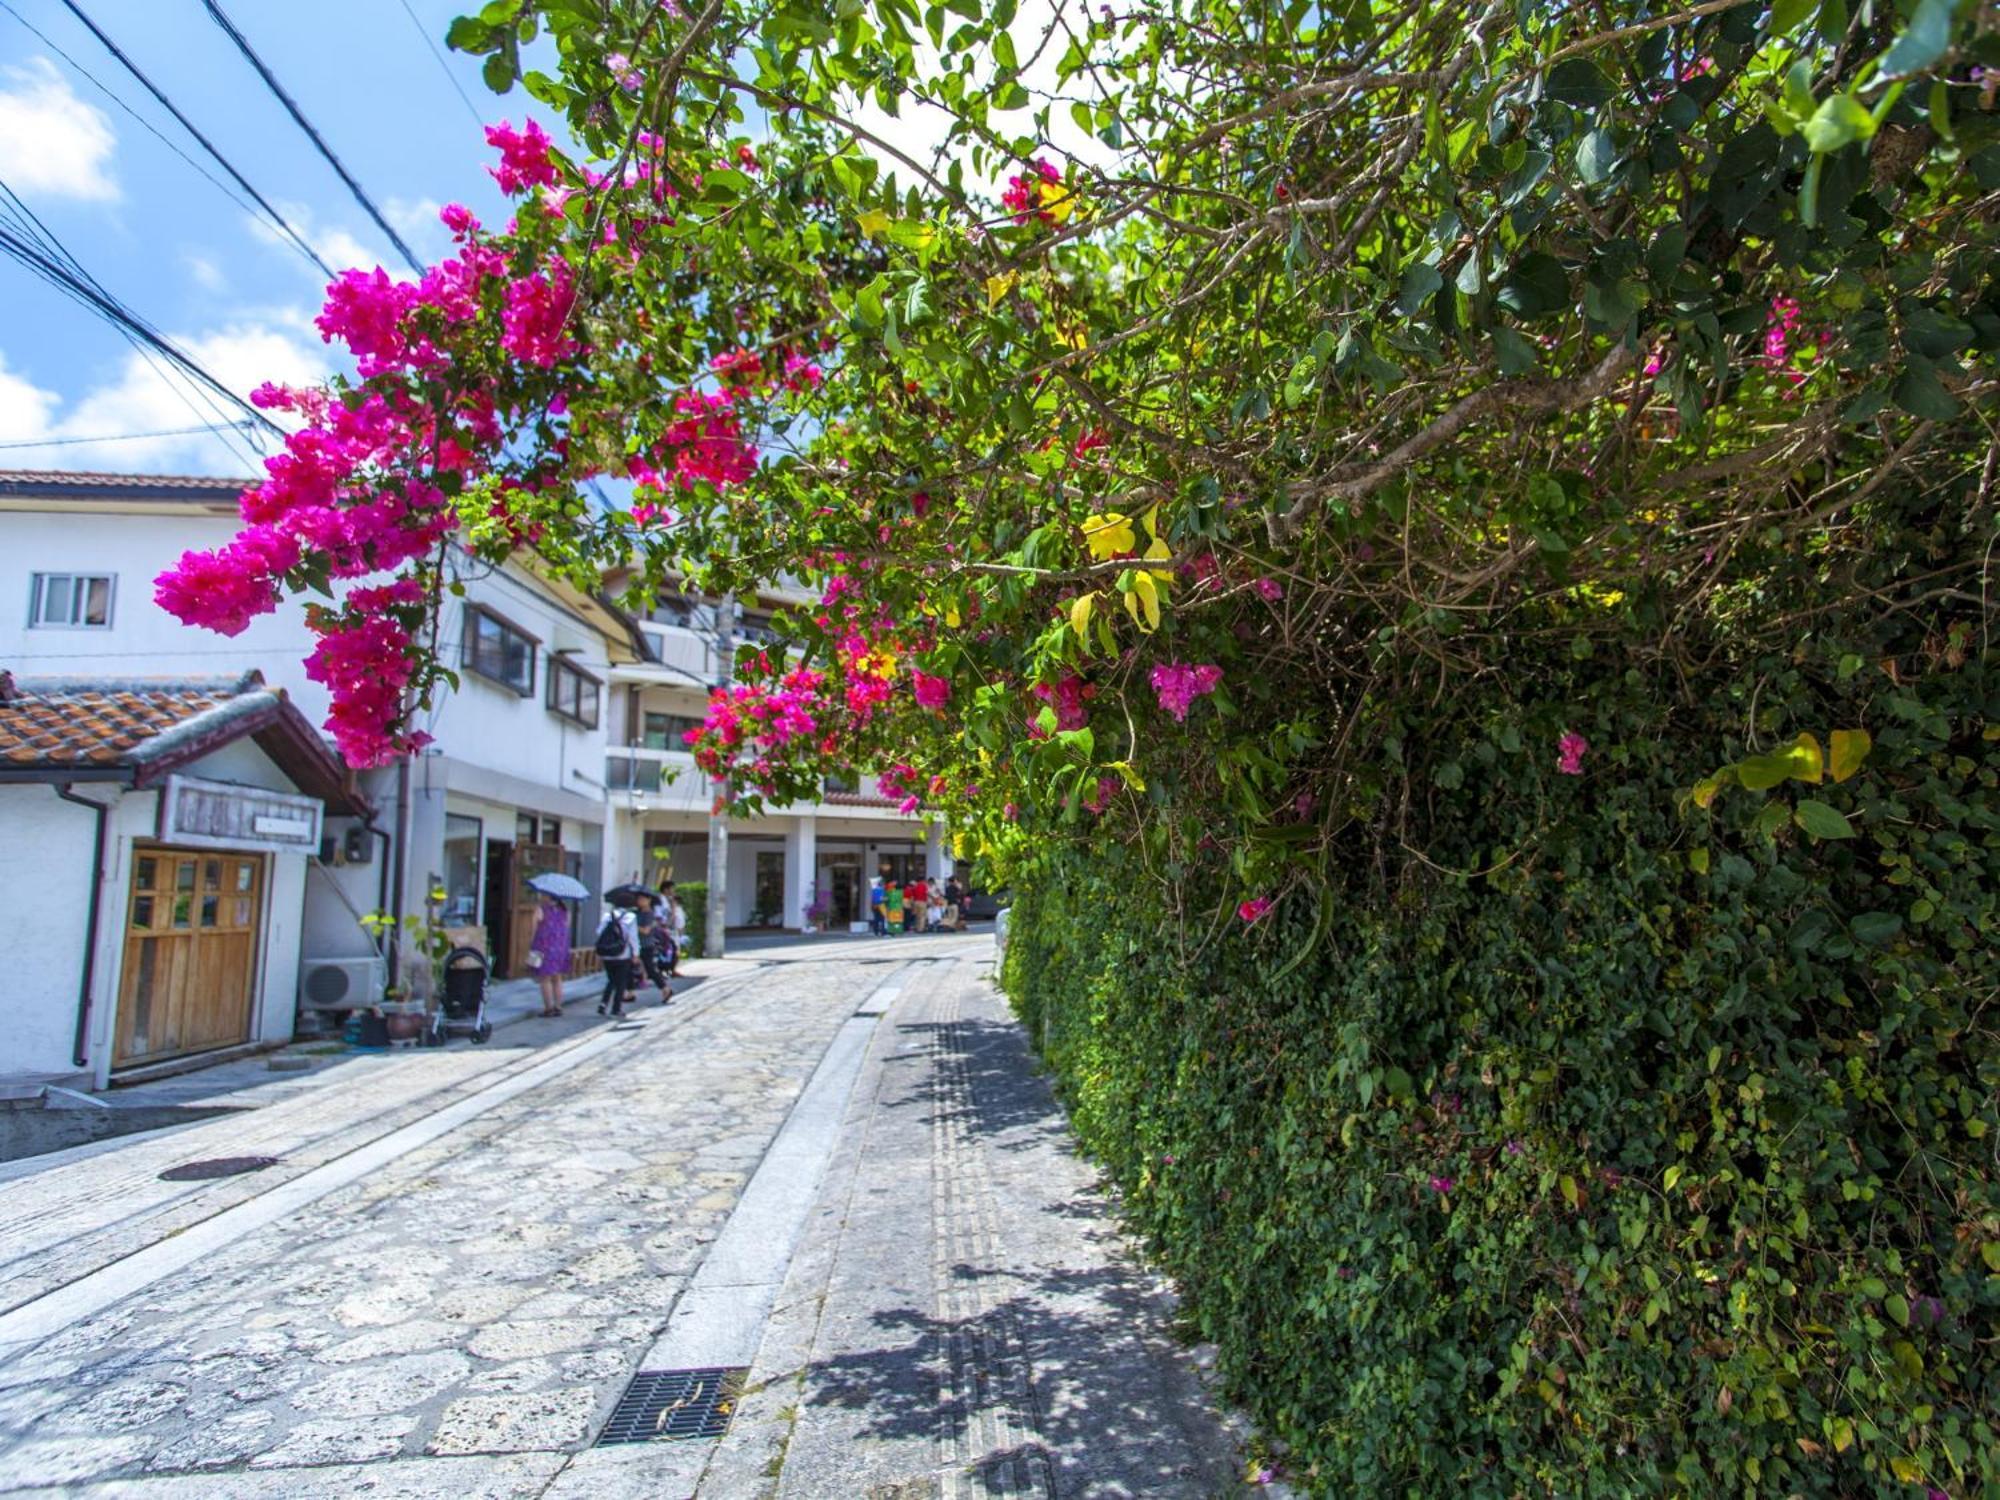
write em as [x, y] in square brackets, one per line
[143, 640]
[45, 852]
[45, 849]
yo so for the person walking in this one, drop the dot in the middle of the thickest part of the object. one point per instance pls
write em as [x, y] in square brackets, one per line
[916, 903]
[677, 931]
[618, 948]
[892, 906]
[652, 925]
[548, 952]
[878, 912]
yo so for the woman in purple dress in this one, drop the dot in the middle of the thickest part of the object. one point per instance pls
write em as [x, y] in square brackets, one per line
[548, 952]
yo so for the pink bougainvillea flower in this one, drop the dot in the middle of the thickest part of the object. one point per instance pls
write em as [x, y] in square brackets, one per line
[1179, 684]
[1570, 749]
[1442, 1185]
[1254, 908]
[932, 692]
[525, 160]
[1269, 590]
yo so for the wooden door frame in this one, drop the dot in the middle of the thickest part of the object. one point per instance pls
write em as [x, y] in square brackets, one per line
[139, 848]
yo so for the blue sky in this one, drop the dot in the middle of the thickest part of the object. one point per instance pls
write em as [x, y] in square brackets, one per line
[171, 245]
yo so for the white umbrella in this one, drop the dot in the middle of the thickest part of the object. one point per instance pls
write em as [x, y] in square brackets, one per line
[562, 887]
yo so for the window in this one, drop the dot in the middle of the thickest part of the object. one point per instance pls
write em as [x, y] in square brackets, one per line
[756, 629]
[573, 692]
[462, 839]
[673, 609]
[500, 651]
[668, 731]
[624, 774]
[71, 601]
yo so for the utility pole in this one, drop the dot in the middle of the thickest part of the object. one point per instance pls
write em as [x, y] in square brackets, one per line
[713, 941]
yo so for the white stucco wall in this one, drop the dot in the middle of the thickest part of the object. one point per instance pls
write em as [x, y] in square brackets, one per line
[45, 848]
[45, 851]
[142, 640]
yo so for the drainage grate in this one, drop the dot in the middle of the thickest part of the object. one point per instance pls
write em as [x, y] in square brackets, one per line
[216, 1166]
[674, 1404]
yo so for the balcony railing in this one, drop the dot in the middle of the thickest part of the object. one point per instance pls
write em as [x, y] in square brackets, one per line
[634, 768]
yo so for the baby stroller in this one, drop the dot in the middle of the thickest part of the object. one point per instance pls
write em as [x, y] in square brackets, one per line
[462, 1003]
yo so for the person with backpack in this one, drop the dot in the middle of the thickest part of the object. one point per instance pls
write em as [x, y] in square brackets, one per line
[653, 947]
[618, 949]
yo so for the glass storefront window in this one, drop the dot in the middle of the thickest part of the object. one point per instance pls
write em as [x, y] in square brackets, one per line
[462, 837]
[769, 898]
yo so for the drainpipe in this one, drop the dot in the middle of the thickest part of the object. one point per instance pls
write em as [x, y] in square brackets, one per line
[399, 854]
[80, 1053]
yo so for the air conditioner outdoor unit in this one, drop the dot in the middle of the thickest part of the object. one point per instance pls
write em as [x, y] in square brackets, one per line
[341, 983]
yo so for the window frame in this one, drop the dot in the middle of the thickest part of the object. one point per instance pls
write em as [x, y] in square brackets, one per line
[469, 654]
[38, 596]
[561, 666]
[673, 740]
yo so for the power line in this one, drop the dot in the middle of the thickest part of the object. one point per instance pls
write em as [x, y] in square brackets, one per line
[189, 126]
[124, 437]
[298, 116]
[450, 77]
[80, 287]
[44, 253]
[144, 123]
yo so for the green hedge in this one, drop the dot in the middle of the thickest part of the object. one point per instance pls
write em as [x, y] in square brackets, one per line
[694, 897]
[1660, 1161]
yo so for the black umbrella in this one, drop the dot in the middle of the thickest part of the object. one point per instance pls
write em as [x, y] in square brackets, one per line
[628, 895]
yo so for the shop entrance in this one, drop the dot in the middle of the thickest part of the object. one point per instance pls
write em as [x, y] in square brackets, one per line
[840, 882]
[191, 931]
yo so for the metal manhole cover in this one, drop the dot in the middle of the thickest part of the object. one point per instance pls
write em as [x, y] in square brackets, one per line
[674, 1404]
[217, 1166]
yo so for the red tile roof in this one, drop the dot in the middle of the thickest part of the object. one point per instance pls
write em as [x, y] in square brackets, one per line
[137, 730]
[72, 484]
[58, 722]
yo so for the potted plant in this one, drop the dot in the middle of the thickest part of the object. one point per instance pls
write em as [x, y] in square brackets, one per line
[817, 909]
[405, 1014]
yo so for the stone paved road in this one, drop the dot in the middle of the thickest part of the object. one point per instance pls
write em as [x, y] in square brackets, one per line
[958, 1319]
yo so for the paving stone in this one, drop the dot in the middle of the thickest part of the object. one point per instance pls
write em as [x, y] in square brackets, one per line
[363, 1440]
[412, 1337]
[519, 1340]
[633, 1471]
[63, 1461]
[384, 1386]
[506, 1424]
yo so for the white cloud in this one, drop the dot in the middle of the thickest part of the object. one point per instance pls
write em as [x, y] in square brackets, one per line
[148, 396]
[206, 273]
[417, 221]
[51, 141]
[339, 247]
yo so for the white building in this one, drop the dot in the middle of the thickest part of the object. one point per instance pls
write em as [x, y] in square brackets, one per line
[154, 841]
[660, 802]
[561, 748]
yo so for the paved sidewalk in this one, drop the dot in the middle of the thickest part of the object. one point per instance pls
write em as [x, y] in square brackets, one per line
[844, 1168]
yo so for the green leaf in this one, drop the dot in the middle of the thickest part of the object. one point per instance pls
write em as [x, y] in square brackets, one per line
[1536, 286]
[1759, 773]
[1838, 122]
[499, 71]
[1877, 927]
[1420, 283]
[1596, 157]
[1786, 15]
[1849, 747]
[1920, 393]
[1922, 42]
[1579, 81]
[468, 34]
[1822, 821]
[1512, 353]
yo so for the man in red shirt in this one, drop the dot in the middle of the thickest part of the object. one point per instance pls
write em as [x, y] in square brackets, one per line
[916, 904]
